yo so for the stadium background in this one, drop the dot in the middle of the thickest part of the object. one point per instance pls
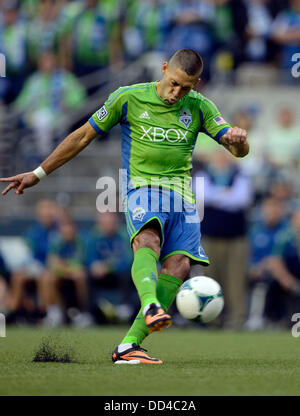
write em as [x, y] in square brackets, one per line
[63, 58]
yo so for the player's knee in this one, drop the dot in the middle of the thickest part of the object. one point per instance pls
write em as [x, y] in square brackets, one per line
[147, 238]
[177, 265]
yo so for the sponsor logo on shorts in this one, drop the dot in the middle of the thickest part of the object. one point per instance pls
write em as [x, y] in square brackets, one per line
[138, 213]
[185, 117]
[102, 113]
[201, 252]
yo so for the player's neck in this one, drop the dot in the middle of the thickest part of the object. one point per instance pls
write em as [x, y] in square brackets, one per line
[158, 88]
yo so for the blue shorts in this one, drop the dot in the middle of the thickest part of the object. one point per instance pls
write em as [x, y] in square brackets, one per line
[178, 219]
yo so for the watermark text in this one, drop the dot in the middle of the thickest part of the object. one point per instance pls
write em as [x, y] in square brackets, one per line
[296, 66]
[165, 194]
[296, 326]
[2, 325]
[2, 65]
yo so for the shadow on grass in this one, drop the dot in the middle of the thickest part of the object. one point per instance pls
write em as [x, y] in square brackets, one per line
[53, 350]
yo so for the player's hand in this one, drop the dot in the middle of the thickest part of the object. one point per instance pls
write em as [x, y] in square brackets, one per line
[235, 135]
[20, 182]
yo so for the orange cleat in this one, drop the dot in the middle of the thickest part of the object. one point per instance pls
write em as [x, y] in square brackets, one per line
[133, 355]
[156, 319]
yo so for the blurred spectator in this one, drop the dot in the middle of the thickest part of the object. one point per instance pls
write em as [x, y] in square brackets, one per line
[284, 299]
[230, 21]
[4, 281]
[147, 26]
[43, 32]
[283, 138]
[65, 262]
[45, 100]
[258, 28]
[192, 28]
[109, 260]
[286, 32]
[255, 164]
[271, 223]
[230, 37]
[38, 239]
[255, 159]
[13, 46]
[282, 190]
[29, 8]
[227, 197]
[92, 37]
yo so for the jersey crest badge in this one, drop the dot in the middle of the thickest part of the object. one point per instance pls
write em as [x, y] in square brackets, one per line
[185, 117]
[101, 113]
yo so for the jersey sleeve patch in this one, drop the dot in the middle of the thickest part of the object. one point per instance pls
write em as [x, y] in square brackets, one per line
[101, 113]
[219, 121]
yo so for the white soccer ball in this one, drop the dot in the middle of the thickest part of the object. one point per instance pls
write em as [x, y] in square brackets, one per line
[200, 299]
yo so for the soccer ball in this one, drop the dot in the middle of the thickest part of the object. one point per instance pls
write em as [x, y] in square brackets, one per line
[200, 299]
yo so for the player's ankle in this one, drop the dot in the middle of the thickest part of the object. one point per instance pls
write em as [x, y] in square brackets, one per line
[124, 347]
[150, 306]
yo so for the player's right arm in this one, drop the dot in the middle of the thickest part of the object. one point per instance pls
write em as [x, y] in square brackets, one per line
[65, 151]
[100, 122]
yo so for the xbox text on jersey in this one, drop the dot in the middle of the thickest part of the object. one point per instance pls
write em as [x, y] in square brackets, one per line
[158, 134]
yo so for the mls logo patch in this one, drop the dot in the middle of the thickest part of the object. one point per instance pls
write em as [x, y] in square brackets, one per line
[101, 113]
[185, 117]
[138, 213]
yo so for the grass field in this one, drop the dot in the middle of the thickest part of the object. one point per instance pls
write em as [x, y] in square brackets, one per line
[196, 362]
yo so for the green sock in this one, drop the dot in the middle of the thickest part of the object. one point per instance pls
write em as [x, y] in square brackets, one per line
[167, 288]
[144, 275]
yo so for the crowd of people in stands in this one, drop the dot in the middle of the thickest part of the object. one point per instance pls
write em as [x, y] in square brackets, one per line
[250, 227]
[86, 35]
[69, 274]
[51, 46]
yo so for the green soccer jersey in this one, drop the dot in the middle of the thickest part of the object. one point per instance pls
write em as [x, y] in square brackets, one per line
[158, 139]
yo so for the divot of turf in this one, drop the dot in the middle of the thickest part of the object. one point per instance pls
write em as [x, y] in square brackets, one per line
[53, 349]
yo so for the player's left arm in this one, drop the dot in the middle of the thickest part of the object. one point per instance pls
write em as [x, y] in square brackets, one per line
[214, 125]
[235, 141]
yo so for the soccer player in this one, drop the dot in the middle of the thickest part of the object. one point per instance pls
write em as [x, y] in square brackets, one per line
[160, 122]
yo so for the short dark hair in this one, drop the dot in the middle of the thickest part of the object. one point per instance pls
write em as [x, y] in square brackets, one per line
[188, 61]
